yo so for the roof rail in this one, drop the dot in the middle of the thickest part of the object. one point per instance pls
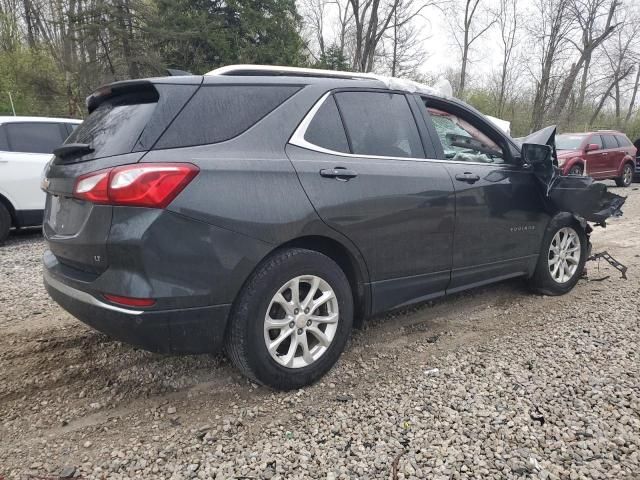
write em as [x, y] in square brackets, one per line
[276, 70]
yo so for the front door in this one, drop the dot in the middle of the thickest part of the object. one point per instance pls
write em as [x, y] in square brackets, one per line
[611, 157]
[595, 160]
[372, 183]
[500, 214]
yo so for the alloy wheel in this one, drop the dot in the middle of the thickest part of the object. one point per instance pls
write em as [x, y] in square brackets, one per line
[627, 175]
[301, 321]
[564, 255]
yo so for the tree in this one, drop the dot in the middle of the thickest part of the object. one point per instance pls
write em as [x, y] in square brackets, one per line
[405, 53]
[587, 14]
[202, 34]
[332, 59]
[549, 29]
[507, 19]
[467, 28]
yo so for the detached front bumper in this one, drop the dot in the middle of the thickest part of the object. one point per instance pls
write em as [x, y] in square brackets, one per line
[184, 330]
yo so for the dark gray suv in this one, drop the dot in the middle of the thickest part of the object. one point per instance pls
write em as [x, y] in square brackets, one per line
[263, 211]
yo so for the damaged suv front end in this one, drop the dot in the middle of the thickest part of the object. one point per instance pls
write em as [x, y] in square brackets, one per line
[587, 200]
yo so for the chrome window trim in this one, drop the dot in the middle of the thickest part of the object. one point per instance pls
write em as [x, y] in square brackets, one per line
[298, 140]
[84, 297]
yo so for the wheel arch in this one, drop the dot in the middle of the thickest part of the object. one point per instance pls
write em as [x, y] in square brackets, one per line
[9, 206]
[353, 267]
[628, 161]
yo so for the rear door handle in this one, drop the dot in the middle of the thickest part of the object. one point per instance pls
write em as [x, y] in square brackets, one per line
[467, 177]
[340, 173]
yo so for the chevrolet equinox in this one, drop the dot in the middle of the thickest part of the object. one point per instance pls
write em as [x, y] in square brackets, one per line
[263, 210]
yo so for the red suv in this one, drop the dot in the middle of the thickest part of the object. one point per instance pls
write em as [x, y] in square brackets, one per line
[605, 154]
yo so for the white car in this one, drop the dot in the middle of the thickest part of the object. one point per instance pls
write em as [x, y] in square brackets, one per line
[26, 144]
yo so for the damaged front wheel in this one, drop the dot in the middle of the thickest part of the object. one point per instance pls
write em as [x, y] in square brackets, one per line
[562, 258]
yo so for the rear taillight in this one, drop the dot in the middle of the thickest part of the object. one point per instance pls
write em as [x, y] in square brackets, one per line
[152, 185]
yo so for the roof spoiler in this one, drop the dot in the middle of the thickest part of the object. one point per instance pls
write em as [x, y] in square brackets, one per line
[145, 88]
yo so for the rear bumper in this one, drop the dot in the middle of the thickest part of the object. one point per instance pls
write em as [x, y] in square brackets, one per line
[184, 330]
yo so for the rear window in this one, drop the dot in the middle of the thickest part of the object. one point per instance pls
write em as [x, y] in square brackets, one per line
[609, 141]
[326, 130]
[34, 137]
[380, 124]
[217, 113]
[114, 127]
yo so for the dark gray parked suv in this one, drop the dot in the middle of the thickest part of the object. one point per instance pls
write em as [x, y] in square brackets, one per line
[264, 210]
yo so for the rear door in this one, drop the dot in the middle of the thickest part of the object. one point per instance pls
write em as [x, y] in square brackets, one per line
[500, 213]
[30, 145]
[361, 160]
[613, 157]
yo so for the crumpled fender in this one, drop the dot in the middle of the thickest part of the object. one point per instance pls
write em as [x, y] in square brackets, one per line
[575, 194]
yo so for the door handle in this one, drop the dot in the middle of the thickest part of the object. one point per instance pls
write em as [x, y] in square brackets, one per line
[467, 177]
[339, 173]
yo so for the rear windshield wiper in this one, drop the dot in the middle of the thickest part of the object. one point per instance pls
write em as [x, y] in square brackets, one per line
[74, 149]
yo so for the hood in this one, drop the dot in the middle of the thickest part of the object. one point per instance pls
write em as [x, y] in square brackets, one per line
[578, 195]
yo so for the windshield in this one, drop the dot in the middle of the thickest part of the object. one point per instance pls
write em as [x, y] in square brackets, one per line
[569, 142]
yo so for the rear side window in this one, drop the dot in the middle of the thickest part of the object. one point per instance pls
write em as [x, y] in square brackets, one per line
[609, 141]
[380, 124]
[623, 141]
[34, 137]
[219, 113]
[326, 129]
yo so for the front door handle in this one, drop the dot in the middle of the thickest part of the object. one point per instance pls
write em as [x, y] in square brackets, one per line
[340, 173]
[467, 177]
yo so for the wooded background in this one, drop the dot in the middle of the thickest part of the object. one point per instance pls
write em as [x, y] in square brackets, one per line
[533, 62]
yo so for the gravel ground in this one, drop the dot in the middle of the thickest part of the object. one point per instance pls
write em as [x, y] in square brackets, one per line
[493, 383]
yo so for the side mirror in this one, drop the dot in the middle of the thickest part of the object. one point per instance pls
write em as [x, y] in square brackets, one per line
[591, 147]
[535, 154]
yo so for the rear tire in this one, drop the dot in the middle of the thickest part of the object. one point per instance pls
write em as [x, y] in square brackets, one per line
[626, 178]
[576, 170]
[5, 223]
[561, 261]
[268, 313]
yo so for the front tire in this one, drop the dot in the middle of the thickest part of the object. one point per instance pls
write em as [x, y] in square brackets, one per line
[5, 223]
[561, 261]
[626, 178]
[291, 321]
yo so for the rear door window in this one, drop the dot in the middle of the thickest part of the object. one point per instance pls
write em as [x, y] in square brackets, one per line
[326, 129]
[34, 137]
[609, 141]
[217, 113]
[380, 124]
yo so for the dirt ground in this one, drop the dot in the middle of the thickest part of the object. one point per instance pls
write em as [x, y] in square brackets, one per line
[440, 379]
